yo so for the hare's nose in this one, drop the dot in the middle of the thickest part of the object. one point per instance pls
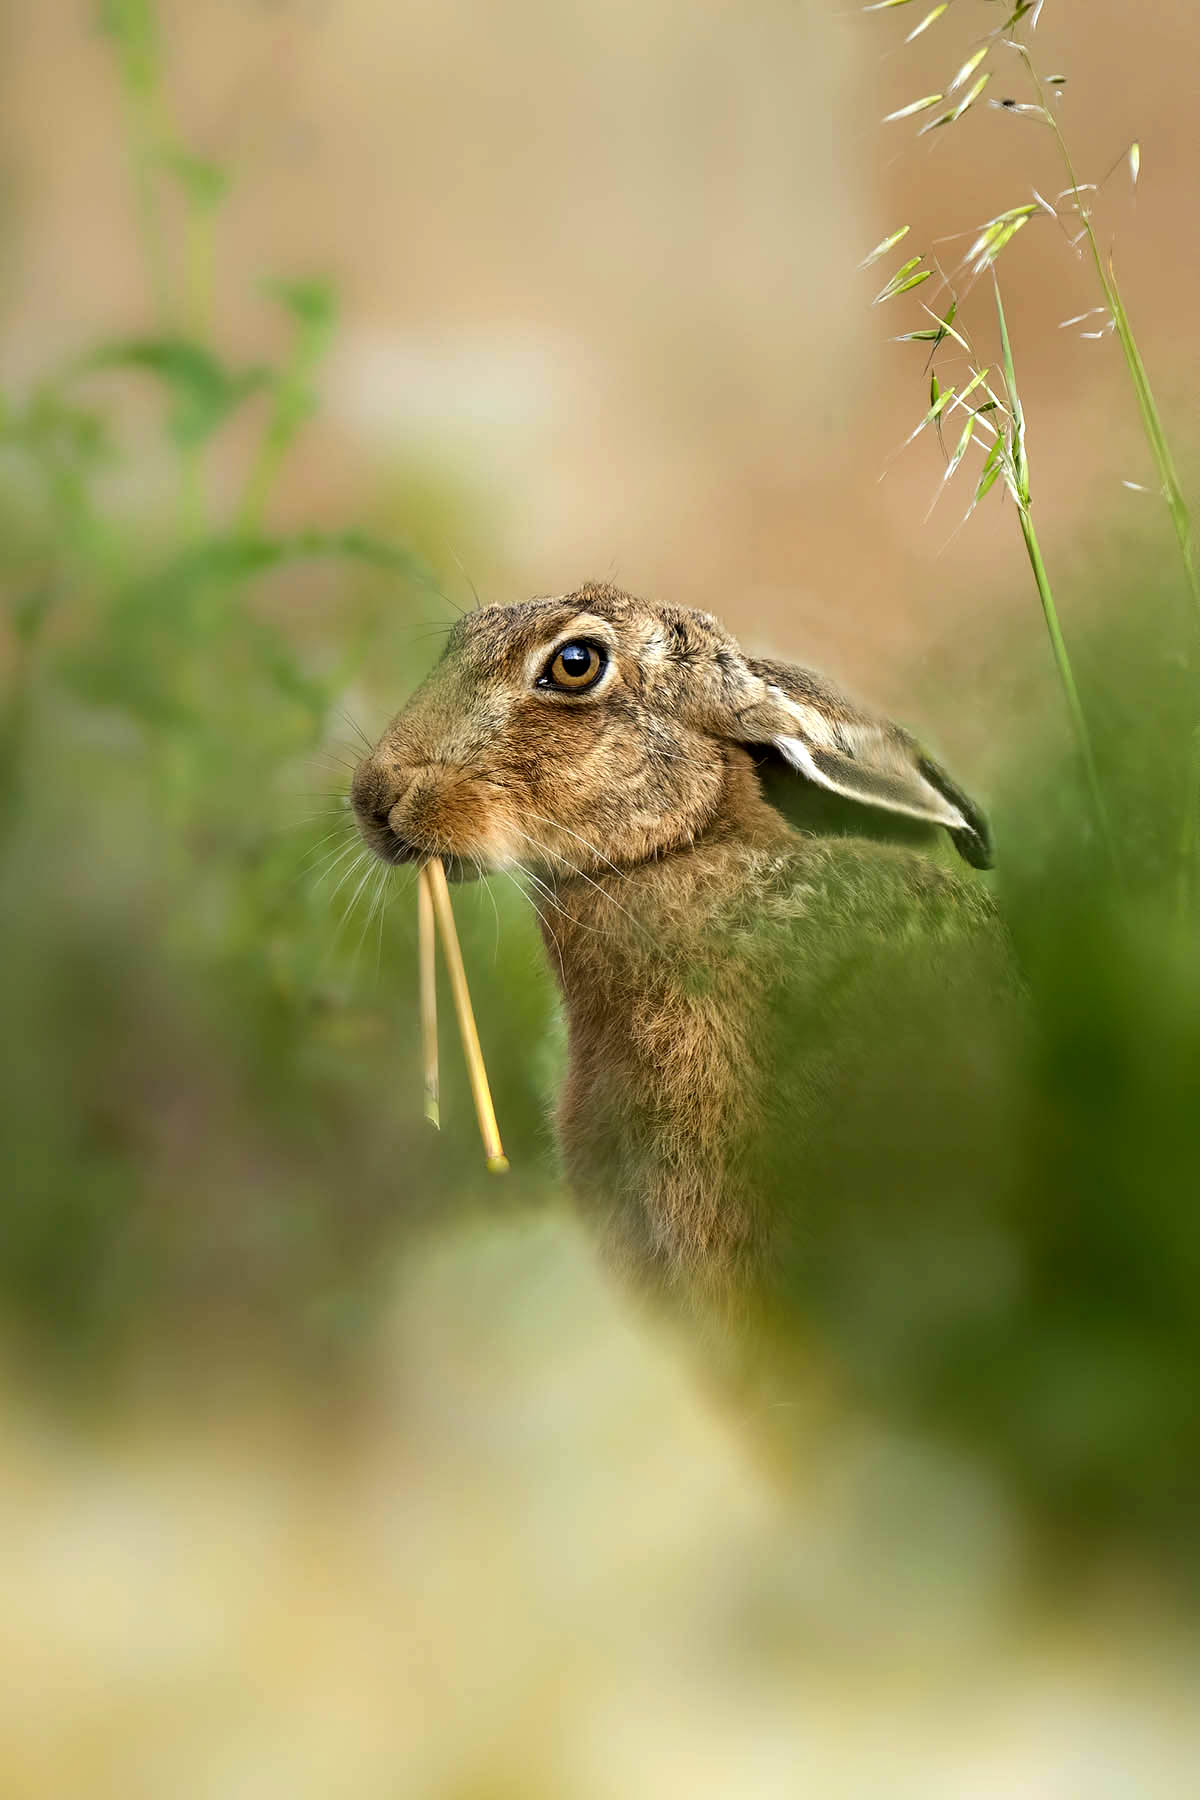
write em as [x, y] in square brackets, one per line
[376, 789]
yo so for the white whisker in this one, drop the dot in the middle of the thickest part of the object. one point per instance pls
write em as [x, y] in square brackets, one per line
[485, 885]
[558, 826]
[541, 918]
[350, 872]
[335, 860]
[375, 898]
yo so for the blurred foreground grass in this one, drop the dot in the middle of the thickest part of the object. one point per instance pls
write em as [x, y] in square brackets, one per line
[534, 1563]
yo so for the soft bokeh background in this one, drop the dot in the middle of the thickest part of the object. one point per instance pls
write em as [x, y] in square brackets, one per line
[327, 1464]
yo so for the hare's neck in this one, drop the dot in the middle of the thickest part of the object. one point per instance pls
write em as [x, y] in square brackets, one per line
[660, 1078]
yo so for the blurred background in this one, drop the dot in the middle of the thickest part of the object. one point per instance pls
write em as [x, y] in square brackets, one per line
[326, 1463]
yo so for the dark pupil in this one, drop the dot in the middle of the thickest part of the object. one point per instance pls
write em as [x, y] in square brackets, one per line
[576, 660]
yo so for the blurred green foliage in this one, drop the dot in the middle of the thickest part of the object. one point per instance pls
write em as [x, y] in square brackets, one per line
[213, 1117]
[214, 1099]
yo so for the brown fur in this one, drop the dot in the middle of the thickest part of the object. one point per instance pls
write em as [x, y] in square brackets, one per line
[682, 913]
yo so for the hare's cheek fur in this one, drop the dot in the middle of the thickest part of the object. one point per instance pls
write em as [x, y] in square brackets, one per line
[584, 791]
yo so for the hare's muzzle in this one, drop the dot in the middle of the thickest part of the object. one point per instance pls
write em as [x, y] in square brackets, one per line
[409, 813]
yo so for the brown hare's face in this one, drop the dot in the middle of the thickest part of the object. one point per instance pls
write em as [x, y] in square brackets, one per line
[561, 734]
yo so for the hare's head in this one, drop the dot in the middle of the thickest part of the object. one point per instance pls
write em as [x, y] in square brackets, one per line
[597, 730]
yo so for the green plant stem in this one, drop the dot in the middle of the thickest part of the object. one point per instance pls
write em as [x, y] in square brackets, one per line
[1019, 485]
[1181, 517]
[146, 136]
[287, 411]
[1066, 676]
[1182, 521]
[1164, 462]
[191, 491]
[198, 303]
[261, 479]
[1186, 879]
[198, 269]
[154, 246]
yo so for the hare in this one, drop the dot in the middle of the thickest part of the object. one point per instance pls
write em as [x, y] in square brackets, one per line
[727, 978]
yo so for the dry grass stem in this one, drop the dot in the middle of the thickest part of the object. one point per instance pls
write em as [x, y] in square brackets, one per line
[428, 971]
[435, 877]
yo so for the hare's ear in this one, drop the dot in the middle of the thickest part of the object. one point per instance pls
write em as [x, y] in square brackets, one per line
[825, 737]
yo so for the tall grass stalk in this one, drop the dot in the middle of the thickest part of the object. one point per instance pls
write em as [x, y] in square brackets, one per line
[313, 310]
[1020, 489]
[1164, 462]
[204, 185]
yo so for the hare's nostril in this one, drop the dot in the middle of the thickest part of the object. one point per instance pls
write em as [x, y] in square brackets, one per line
[374, 792]
[373, 808]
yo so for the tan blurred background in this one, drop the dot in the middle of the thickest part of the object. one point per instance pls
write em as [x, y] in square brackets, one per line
[598, 263]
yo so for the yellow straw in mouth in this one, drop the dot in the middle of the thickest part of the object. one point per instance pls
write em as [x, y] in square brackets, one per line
[433, 884]
[429, 1039]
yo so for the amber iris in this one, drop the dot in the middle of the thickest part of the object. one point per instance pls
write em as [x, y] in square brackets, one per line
[574, 667]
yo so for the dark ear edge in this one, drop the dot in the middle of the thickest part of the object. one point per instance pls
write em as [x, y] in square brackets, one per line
[974, 842]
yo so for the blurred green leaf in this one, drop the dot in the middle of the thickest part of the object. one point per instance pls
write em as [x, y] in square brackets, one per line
[29, 612]
[51, 426]
[313, 307]
[239, 556]
[161, 632]
[312, 303]
[203, 392]
[204, 182]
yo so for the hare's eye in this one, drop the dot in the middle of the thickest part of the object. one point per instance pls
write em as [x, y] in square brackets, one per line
[574, 667]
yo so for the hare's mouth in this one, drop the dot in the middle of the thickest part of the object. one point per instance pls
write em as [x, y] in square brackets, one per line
[398, 851]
